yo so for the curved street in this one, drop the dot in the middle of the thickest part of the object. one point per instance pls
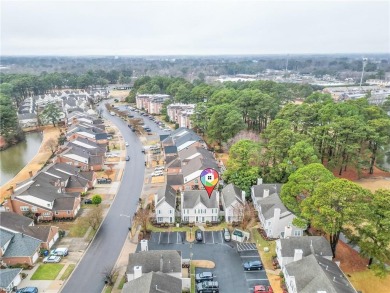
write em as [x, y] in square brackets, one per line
[104, 250]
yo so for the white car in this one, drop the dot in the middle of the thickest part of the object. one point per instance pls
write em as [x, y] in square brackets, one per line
[52, 258]
[127, 144]
[60, 251]
[167, 129]
[157, 173]
[159, 168]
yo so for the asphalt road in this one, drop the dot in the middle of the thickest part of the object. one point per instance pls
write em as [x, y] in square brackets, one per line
[106, 247]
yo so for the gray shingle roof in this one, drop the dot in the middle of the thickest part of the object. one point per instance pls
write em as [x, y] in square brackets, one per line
[148, 283]
[176, 179]
[308, 244]
[199, 163]
[7, 276]
[22, 245]
[259, 189]
[5, 236]
[165, 261]
[167, 194]
[269, 204]
[317, 274]
[230, 193]
[64, 203]
[14, 221]
[193, 197]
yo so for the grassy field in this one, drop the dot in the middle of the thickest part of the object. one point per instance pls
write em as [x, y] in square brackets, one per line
[367, 282]
[47, 271]
[67, 272]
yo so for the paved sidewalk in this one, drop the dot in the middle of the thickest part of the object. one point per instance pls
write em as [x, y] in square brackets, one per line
[130, 246]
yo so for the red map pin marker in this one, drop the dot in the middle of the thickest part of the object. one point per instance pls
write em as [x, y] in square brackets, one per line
[209, 178]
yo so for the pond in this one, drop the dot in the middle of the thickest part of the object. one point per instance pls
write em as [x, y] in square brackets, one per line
[15, 158]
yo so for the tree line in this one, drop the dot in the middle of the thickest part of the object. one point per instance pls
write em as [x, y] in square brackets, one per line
[21, 86]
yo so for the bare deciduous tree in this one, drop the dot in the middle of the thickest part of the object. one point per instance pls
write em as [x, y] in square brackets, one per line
[110, 274]
[95, 217]
[52, 144]
[243, 214]
[142, 218]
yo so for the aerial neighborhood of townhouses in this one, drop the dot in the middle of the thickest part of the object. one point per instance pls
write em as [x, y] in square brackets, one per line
[116, 193]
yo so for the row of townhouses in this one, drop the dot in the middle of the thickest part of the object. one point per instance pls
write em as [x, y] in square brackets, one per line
[52, 193]
[68, 101]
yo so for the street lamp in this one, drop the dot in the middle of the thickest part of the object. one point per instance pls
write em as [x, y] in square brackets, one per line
[131, 224]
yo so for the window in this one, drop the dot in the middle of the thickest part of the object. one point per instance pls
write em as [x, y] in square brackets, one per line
[170, 211]
[159, 212]
[34, 209]
[160, 219]
[24, 208]
[47, 214]
[297, 233]
[56, 213]
[185, 219]
[68, 212]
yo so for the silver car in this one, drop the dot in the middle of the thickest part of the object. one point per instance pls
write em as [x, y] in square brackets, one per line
[51, 259]
[226, 235]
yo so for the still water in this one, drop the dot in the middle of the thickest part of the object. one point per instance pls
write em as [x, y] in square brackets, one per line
[13, 159]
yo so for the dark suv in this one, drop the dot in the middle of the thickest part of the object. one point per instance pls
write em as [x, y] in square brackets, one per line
[28, 290]
[205, 276]
[207, 287]
[253, 265]
[198, 235]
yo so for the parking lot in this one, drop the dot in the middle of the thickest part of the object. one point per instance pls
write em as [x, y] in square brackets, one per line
[228, 257]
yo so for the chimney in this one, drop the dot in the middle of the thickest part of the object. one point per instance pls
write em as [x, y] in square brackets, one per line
[30, 173]
[243, 196]
[265, 193]
[259, 181]
[161, 263]
[137, 272]
[276, 214]
[298, 253]
[155, 199]
[144, 245]
[287, 231]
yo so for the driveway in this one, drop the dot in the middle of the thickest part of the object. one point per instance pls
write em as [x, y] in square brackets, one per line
[228, 261]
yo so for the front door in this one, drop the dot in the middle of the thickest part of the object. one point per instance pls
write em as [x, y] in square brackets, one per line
[202, 219]
[196, 218]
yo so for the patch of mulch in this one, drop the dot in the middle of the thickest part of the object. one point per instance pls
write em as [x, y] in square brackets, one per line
[350, 260]
[352, 174]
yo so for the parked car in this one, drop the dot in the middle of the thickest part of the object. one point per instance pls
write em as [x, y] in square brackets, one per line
[51, 259]
[262, 289]
[205, 276]
[104, 180]
[88, 201]
[159, 168]
[208, 286]
[126, 143]
[198, 235]
[127, 158]
[253, 265]
[60, 251]
[226, 235]
[27, 290]
[157, 173]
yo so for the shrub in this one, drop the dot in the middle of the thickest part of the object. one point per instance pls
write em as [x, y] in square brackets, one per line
[96, 199]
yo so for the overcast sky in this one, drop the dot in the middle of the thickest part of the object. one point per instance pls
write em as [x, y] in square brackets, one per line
[193, 27]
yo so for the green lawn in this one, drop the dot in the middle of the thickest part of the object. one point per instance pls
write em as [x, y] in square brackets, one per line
[122, 282]
[67, 272]
[266, 257]
[192, 278]
[47, 271]
[79, 228]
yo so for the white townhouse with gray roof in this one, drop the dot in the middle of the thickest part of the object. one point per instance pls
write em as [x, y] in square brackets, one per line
[165, 205]
[275, 218]
[295, 248]
[197, 207]
[233, 203]
[315, 274]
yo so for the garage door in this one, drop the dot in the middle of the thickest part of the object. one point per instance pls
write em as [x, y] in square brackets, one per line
[35, 257]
